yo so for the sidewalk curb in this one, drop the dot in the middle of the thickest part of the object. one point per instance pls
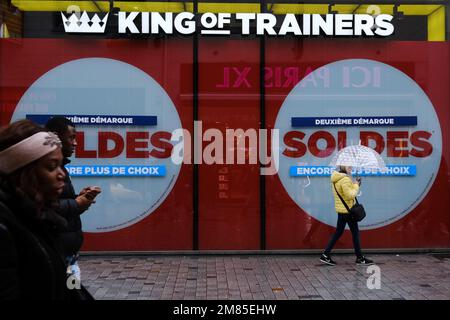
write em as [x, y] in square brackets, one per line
[263, 252]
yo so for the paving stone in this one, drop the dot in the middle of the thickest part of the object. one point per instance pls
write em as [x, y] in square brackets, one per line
[414, 276]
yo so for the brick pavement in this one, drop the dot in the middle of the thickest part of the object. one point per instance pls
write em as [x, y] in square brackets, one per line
[261, 277]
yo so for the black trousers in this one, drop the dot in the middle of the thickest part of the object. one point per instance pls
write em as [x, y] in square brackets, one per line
[343, 219]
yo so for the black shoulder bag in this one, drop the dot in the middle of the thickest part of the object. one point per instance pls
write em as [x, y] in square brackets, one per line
[357, 212]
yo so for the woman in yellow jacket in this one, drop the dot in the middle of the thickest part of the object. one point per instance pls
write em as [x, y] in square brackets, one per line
[348, 190]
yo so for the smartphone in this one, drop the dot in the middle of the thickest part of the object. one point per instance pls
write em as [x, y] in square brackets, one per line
[92, 192]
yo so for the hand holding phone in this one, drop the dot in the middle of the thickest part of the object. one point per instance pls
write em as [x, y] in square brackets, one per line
[92, 192]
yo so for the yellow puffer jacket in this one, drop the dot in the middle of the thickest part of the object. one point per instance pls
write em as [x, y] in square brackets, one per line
[346, 188]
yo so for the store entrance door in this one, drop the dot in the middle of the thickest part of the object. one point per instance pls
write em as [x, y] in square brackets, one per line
[229, 99]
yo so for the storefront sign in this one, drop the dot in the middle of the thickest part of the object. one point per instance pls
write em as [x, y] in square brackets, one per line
[326, 171]
[108, 171]
[99, 120]
[299, 122]
[220, 23]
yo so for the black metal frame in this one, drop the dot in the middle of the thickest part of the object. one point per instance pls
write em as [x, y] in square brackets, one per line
[262, 125]
[195, 238]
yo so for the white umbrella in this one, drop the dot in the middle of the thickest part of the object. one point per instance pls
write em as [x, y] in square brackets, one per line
[359, 157]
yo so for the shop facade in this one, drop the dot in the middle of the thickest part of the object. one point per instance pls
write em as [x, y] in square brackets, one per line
[223, 141]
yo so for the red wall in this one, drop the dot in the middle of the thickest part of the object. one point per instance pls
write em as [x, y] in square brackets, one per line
[229, 203]
[428, 224]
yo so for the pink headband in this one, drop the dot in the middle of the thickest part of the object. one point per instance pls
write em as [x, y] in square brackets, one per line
[27, 151]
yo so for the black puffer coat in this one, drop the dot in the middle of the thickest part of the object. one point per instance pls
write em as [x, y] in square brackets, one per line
[72, 236]
[31, 259]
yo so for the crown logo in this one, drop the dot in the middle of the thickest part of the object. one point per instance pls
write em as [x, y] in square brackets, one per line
[84, 24]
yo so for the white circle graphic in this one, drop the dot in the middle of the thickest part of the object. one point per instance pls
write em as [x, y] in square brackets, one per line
[359, 88]
[99, 86]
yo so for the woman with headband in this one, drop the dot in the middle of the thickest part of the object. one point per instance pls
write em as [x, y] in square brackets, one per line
[31, 178]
